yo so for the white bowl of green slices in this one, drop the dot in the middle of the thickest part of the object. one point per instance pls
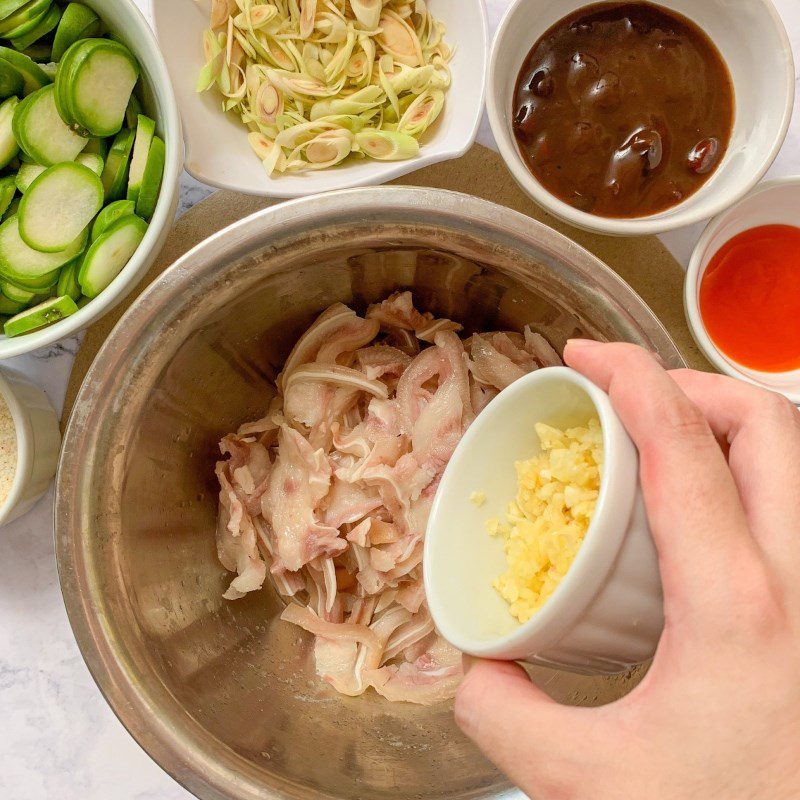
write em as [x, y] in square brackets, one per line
[90, 160]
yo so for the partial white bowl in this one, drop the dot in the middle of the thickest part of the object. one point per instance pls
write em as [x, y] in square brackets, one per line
[217, 150]
[606, 614]
[38, 443]
[124, 18]
[772, 203]
[753, 41]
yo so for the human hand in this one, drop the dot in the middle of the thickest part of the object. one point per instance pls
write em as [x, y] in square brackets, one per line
[717, 717]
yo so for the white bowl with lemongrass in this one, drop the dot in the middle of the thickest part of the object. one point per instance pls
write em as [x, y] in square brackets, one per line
[91, 152]
[289, 99]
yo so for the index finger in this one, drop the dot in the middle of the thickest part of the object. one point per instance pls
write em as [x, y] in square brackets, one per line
[695, 513]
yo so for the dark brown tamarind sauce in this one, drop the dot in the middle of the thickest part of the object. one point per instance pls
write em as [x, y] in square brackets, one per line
[623, 109]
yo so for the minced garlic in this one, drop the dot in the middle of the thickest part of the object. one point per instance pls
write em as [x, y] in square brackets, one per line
[8, 451]
[546, 524]
[478, 498]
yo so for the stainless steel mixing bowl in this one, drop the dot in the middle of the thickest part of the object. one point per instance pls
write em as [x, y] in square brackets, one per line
[223, 695]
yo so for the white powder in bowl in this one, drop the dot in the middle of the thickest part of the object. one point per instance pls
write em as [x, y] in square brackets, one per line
[8, 450]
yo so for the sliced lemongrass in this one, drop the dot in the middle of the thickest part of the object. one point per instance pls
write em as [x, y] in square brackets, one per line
[262, 145]
[296, 71]
[308, 10]
[269, 103]
[215, 60]
[422, 113]
[221, 10]
[356, 103]
[325, 150]
[399, 39]
[387, 145]
[368, 12]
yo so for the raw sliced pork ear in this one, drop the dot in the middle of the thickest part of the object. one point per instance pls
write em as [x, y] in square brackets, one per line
[329, 493]
[398, 313]
[237, 541]
[300, 479]
[336, 331]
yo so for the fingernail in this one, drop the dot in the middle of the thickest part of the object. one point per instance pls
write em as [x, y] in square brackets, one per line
[582, 343]
[467, 662]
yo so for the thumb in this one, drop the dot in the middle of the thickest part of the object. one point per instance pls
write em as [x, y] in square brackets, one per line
[541, 745]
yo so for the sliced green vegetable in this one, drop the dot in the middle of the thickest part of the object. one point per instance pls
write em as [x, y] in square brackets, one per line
[45, 24]
[53, 310]
[132, 111]
[77, 22]
[93, 161]
[33, 76]
[110, 214]
[41, 52]
[42, 133]
[58, 206]
[94, 85]
[115, 172]
[65, 94]
[50, 70]
[109, 253]
[7, 191]
[68, 281]
[99, 146]
[8, 7]
[9, 306]
[8, 143]
[12, 209]
[27, 174]
[22, 264]
[13, 292]
[63, 82]
[145, 131]
[151, 180]
[24, 19]
[11, 82]
[40, 285]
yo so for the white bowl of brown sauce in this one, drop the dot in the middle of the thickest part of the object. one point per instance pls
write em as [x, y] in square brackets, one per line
[634, 118]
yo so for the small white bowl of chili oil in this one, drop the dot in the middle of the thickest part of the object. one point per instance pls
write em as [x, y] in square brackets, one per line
[742, 290]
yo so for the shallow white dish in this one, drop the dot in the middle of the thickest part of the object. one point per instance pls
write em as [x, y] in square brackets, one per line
[754, 43]
[125, 18]
[217, 150]
[606, 614]
[38, 443]
[772, 203]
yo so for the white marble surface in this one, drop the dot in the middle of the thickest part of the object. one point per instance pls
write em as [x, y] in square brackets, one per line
[58, 738]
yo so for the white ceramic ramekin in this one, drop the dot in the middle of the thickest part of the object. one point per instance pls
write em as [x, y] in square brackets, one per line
[607, 612]
[772, 203]
[38, 443]
[754, 43]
